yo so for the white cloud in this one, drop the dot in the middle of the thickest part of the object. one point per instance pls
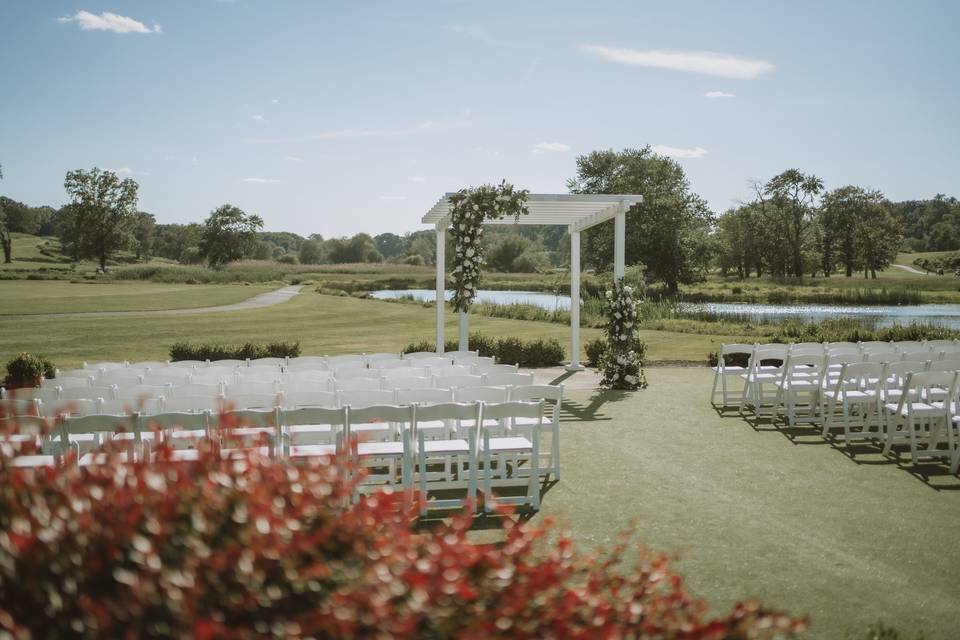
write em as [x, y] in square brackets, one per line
[678, 152]
[257, 117]
[476, 32]
[275, 101]
[261, 180]
[418, 179]
[293, 159]
[552, 147]
[394, 198]
[723, 65]
[719, 94]
[122, 171]
[107, 21]
[428, 126]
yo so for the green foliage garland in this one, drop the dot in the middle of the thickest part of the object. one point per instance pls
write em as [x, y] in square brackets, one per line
[622, 361]
[469, 208]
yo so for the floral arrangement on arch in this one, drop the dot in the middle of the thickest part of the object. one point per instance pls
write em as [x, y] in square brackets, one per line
[622, 361]
[469, 208]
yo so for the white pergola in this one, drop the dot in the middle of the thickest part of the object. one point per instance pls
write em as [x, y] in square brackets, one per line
[576, 212]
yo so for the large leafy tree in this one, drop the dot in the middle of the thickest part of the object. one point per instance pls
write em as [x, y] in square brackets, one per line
[105, 209]
[229, 234]
[788, 202]
[878, 233]
[144, 235]
[666, 232]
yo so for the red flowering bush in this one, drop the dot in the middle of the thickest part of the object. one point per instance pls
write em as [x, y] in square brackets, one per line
[253, 546]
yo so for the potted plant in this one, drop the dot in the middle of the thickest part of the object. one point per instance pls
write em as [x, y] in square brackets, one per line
[26, 370]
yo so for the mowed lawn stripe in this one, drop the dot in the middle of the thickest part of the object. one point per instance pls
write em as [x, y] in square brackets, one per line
[323, 325]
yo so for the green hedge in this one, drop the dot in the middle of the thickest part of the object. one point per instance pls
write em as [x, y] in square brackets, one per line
[25, 370]
[850, 330]
[508, 350]
[252, 350]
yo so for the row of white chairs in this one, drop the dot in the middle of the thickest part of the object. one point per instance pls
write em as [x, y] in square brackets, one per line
[357, 399]
[51, 401]
[213, 375]
[311, 362]
[891, 402]
[478, 444]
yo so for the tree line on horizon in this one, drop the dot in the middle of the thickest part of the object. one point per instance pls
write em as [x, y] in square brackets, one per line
[792, 227]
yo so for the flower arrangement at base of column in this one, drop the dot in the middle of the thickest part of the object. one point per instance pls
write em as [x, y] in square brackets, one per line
[469, 208]
[622, 361]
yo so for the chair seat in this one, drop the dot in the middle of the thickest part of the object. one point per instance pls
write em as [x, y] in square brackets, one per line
[432, 425]
[187, 434]
[852, 394]
[916, 408]
[33, 461]
[369, 427]
[309, 428]
[147, 436]
[445, 446]
[760, 377]
[730, 370]
[192, 455]
[804, 384]
[311, 450]
[99, 457]
[249, 431]
[511, 443]
[380, 449]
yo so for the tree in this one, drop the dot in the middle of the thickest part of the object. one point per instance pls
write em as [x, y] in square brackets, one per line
[178, 241]
[788, 202]
[310, 252]
[5, 240]
[390, 245]
[105, 210]
[359, 248]
[878, 234]
[838, 217]
[505, 252]
[143, 235]
[661, 231]
[229, 234]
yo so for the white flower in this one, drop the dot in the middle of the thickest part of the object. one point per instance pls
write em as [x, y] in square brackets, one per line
[630, 379]
[470, 252]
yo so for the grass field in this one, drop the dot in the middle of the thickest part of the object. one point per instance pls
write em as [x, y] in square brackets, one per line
[53, 296]
[323, 324]
[794, 522]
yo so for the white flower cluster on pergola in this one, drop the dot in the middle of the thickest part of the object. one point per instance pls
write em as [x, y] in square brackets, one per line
[577, 213]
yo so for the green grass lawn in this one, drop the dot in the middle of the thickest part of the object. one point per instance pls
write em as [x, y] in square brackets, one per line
[795, 523]
[323, 325]
[55, 296]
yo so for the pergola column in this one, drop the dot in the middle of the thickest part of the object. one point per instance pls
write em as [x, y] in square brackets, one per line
[441, 281]
[619, 242]
[574, 301]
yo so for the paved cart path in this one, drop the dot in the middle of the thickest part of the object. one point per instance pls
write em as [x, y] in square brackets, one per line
[268, 299]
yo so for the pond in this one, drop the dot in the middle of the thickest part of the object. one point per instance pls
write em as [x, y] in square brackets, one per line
[946, 315]
[537, 298]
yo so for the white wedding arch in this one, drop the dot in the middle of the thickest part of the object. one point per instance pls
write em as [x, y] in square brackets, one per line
[576, 212]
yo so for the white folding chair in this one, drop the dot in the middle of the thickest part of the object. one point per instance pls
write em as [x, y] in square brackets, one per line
[552, 397]
[195, 389]
[307, 362]
[382, 455]
[799, 386]
[725, 368]
[854, 400]
[915, 420]
[312, 432]
[514, 447]
[481, 367]
[452, 370]
[172, 375]
[334, 362]
[462, 356]
[306, 385]
[188, 364]
[354, 371]
[67, 382]
[246, 428]
[362, 398]
[127, 406]
[417, 355]
[428, 396]
[404, 372]
[79, 407]
[45, 394]
[764, 370]
[86, 433]
[456, 457]
[267, 363]
[181, 430]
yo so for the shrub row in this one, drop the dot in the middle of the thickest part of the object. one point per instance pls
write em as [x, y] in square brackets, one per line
[850, 330]
[252, 350]
[509, 350]
[254, 547]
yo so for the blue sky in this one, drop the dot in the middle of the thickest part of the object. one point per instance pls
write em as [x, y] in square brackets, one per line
[336, 117]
